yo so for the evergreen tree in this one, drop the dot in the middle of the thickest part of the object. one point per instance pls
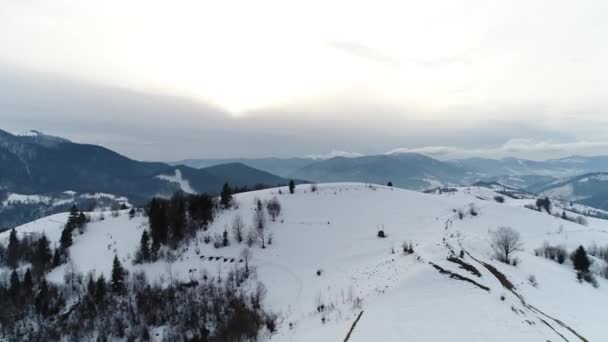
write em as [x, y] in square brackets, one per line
[91, 286]
[28, 282]
[144, 246]
[12, 255]
[82, 219]
[43, 256]
[226, 196]
[225, 241]
[292, 186]
[132, 213]
[389, 183]
[564, 216]
[581, 260]
[15, 285]
[118, 276]
[65, 241]
[56, 257]
[100, 289]
[157, 216]
[73, 218]
[177, 218]
[42, 299]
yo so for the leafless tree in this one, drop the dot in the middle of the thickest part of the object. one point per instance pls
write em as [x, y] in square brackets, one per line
[505, 242]
[259, 295]
[259, 221]
[237, 228]
[274, 208]
[246, 256]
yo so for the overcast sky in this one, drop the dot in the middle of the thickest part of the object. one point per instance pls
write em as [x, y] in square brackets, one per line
[167, 80]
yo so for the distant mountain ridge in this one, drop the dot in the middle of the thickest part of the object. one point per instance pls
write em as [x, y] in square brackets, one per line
[36, 163]
[407, 170]
[590, 189]
[420, 172]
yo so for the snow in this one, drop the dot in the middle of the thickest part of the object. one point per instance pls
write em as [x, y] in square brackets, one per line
[403, 296]
[184, 184]
[27, 199]
[30, 133]
[597, 178]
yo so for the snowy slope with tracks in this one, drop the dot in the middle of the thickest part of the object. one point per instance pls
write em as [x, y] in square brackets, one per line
[402, 297]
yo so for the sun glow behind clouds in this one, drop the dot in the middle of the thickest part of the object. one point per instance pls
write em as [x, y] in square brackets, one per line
[247, 55]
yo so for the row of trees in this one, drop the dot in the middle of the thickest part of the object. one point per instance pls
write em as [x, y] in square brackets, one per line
[174, 220]
[127, 307]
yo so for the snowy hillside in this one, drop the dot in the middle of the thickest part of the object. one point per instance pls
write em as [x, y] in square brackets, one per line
[326, 266]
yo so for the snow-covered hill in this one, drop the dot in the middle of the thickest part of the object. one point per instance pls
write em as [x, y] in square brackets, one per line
[326, 265]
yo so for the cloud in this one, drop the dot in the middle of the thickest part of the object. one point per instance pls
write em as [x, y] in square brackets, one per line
[365, 52]
[517, 147]
[335, 153]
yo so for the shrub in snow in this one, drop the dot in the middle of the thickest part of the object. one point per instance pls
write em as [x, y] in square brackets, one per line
[544, 203]
[319, 272]
[381, 234]
[587, 277]
[218, 240]
[274, 208]
[473, 211]
[313, 187]
[499, 199]
[532, 280]
[555, 253]
[407, 247]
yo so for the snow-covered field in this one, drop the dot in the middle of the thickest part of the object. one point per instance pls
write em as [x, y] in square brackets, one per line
[403, 297]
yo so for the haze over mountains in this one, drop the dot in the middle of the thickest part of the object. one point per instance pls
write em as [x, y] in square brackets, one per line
[38, 164]
[419, 172]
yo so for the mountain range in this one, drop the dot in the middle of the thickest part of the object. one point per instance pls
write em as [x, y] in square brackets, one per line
[36, 163]
[419, 172]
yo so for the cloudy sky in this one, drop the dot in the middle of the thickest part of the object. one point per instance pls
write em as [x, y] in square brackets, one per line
[167, 80]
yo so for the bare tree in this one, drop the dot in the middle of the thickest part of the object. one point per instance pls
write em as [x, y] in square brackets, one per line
[259, 222]
[237, 228]
[506, 241]
[246, 256]
[274, 208]
[251, 237]
[259, 295]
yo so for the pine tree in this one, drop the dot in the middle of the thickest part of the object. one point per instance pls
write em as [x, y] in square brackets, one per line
[12, 257]
[65, 241]
[43, 255]
[100, 289]
[42, 299]
[15, 285]
[144, 246]
[292, 186]
[226, 196]
[564, 216]
[157, 217]
[56, 257]
[118, 276]
[73, 218]
[225, 241]
[82, 219]
[28, 282]
[91, 285]
[132, 213]
[580, 260]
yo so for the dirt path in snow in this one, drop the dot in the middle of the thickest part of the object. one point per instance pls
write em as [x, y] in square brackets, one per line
[507, 284]
[353, 326]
